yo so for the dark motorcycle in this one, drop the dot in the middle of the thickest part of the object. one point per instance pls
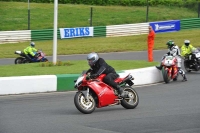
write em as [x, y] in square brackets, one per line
[40, 57]
[94, 93]
[192, 61]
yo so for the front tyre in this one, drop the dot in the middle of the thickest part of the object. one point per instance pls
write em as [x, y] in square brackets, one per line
[132, 100]
[83, 105]
[45, 60]
[166, 76]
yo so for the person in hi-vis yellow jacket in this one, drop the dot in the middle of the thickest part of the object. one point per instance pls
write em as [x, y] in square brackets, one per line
[187, 49]
[30, 51]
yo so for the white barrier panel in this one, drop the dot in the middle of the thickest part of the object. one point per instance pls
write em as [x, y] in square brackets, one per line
[144, 76]
[28, 84]
[127, 29]
[15, 36]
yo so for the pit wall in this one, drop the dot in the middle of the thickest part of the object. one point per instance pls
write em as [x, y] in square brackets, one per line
[65, 82]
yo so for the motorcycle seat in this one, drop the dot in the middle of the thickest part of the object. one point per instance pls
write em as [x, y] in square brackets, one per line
[121, 79]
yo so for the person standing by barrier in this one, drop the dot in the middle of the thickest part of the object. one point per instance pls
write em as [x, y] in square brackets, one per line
[150, 42]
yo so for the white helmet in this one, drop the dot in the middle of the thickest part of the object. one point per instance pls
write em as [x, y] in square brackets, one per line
[32, 44]
[187, 42]
[92, 58]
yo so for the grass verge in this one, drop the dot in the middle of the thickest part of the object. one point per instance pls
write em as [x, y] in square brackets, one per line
[75, 67]
[13, 15]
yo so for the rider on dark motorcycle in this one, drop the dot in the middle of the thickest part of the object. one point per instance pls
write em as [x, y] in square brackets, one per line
[30, 51]
[98, 66]
[187, 49]
[187, 52]
[174, 51]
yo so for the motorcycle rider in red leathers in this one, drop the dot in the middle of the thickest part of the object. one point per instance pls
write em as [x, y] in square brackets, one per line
[174, 51]
[98, 66]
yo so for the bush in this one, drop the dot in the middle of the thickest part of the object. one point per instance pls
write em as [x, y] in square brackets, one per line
[58, 63]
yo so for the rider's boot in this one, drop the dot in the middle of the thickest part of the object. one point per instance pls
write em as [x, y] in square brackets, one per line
[120, 91]
[184, 78]
[159, 67]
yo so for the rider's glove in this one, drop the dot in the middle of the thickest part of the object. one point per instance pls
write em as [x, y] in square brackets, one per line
[186, 55]
[93, 76]
[36, 55]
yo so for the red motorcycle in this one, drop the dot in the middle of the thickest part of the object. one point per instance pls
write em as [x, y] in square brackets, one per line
[169, 69]
[94, 93]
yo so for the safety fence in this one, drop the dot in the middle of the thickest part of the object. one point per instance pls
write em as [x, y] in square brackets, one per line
[98, 31]
[15, 36]
[126, 29]
[190, 23]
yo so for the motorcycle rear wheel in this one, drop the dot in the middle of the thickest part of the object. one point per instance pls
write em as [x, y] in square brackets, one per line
[132, 100]
[19, 60]
[166, 78]
[26, 61]
[84, 106]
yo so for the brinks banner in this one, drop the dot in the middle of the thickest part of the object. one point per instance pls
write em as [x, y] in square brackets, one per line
[76, 32]
[165, 26]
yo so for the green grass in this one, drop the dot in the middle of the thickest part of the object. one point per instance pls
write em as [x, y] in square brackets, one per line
[104, 45]
[14, 15]
[76, 68]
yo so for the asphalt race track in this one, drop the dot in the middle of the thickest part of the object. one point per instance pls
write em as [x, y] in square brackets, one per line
[163, 108]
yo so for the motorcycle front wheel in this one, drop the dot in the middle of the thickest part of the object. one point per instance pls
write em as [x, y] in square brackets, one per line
[166, 77]
[132, 100]
[45, 60]
[19, 60]
[84, 105]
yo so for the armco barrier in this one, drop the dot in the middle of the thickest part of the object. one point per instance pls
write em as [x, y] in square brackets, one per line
[15, 36]
[127, 29]
[190, 23]
[65, 82]
[98, 31]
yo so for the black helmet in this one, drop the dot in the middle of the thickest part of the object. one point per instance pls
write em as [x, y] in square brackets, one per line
[92, 58]
[187, 42]
[170, 44]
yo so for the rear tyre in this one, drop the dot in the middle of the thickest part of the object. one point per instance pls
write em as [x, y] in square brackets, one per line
[26, 61]
[132, 99]
[175, 79]
[83, 105]
[19, 60]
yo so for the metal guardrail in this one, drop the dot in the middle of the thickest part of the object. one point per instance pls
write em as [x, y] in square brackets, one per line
[99, 31]
[15, 36]
[190, 23]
